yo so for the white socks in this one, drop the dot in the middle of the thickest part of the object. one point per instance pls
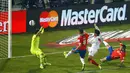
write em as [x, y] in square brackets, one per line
[69, 53]
[82, 60]
[105, 43]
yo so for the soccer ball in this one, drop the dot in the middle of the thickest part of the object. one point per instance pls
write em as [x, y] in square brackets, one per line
[31, 22]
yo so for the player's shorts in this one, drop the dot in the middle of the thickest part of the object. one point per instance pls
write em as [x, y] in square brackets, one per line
[110, 49]
[81, 52]
[92, 51]
[109, 58]
[37, 52]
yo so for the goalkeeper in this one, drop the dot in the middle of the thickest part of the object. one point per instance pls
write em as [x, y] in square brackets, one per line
[35, 50]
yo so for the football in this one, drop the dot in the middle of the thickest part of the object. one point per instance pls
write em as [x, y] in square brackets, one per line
[31, 22]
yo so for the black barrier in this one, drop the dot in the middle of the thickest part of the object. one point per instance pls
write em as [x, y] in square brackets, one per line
[79, 16]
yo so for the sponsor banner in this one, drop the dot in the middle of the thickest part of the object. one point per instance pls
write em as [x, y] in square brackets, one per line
[3, 23]
[4, 27]
[109, 36]
[18, 22]
[48, 19]
[79, 16]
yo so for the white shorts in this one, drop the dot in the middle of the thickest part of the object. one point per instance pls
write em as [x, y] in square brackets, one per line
[92, 51]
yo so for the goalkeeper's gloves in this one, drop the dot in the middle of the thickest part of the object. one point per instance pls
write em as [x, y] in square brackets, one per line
[42, 30]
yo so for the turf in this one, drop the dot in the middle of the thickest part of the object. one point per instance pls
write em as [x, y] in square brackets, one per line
[30, 64]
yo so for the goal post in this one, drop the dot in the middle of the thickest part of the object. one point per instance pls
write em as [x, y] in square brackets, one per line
[5, 29]
[9, 28]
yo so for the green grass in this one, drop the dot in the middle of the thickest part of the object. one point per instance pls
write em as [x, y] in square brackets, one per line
[30, 64]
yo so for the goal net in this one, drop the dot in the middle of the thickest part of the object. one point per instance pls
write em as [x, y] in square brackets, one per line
[5, 29]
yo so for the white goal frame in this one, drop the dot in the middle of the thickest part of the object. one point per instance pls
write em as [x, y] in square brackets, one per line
[9, 28]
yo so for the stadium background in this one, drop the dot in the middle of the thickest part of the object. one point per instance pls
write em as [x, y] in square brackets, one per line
[24, 62]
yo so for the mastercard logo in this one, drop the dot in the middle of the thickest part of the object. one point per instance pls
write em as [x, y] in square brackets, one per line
[49, 19]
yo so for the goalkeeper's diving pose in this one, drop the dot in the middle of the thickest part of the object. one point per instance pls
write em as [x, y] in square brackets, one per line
[35, 50]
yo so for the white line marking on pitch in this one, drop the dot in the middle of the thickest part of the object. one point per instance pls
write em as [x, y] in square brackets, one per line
[31, 55]
[49, 53]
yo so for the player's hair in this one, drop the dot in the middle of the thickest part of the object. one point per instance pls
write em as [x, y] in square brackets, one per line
[123, 48]
[81, 31]
[97, 32]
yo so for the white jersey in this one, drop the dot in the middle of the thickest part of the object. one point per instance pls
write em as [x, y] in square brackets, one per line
[95, 42]
[95, 45]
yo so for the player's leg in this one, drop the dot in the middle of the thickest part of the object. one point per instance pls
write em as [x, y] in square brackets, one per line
[106, 44]
[45, 61]
[37, 54]
[82, 56]
[108, 58]
[42, 57]
[32, 52]
[91, 60]
[70, 52]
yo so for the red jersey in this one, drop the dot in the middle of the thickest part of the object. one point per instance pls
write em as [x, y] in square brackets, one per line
[83, 40]
[116, 54]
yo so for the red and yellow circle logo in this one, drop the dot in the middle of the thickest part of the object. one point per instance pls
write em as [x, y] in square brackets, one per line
[49, 19]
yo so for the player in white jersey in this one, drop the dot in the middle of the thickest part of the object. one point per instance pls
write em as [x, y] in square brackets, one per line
[95, 45]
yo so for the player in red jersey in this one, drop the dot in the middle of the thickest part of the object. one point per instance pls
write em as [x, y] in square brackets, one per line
[118, 53]
[80, 47]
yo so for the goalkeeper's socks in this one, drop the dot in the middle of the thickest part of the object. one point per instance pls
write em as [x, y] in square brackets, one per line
[47, 63]
[93, 62]
[41, 66]
[41, 59]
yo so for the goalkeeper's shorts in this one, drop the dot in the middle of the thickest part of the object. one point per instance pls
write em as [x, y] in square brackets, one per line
[37, 52]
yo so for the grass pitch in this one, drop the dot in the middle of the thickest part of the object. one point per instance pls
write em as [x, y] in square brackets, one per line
[24, 62]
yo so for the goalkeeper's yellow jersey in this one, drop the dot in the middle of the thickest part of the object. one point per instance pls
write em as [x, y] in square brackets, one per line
[35, 42]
